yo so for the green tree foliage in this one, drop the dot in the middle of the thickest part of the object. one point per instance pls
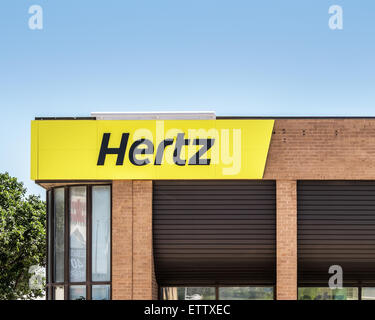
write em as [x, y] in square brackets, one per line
[22, 239]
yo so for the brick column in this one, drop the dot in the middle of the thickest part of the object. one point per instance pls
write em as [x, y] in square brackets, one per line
[286, 240]
[143, 261]
[132, 257]
[122, 240]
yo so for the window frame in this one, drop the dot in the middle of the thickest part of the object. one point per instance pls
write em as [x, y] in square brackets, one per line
[50, 221]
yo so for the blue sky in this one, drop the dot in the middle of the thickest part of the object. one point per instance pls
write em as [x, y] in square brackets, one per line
[234, 57]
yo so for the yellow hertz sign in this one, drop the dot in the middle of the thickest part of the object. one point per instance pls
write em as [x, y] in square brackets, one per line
[149, 149]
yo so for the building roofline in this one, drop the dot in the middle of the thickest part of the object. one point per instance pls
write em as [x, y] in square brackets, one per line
[65, 118]
[294, 117]
[234, 117]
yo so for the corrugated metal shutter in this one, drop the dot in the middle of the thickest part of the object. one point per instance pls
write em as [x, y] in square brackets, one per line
[214, 232]
[336, 226]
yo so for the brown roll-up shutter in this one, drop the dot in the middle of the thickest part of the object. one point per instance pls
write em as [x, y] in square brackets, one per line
[214, 232]
[336, 226]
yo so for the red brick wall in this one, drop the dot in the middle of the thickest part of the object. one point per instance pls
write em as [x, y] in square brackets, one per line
[132, 260]
[122, 240]
[142, 240]
[303, 149]
[300, 149]
[312, 149]
[286, 240]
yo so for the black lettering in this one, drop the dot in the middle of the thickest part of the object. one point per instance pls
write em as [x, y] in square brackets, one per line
[206, 145]
[180, 141]
[134, 151]
[159, 153]
[104, 150]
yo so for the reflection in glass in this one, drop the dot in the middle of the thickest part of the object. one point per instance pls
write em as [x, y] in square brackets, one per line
[78, 234]
[77, 292]
[101, 229]
[368, 293]
[68, 217]
[188, 293]
[246, 293]
[313, 293]
[59, 202]
[59, 293]
[100, 292]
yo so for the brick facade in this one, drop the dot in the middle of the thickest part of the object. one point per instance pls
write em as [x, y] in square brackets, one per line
[122, 240]
[142, 240]
[286, 240]
[132, 259]
[317, 149]
[300, 149]
[312, 149]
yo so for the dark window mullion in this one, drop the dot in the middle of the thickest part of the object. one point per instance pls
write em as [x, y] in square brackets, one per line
[110, 243]
[52, 238]
[274, 292]
[48, 209]
[88, 241]
[67, 243]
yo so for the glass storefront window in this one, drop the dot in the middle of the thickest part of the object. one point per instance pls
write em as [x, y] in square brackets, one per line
[59, 211]
[246, 293]
[188, 293]
[368, 293]
[78, 234]
[77, 292]
[101, 233]
[79, 231]
[196, 293]
[100, 292]
[314, 293]
[224, 293]
[59, 293]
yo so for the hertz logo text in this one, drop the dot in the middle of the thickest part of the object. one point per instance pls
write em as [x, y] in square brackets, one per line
[146, 147]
